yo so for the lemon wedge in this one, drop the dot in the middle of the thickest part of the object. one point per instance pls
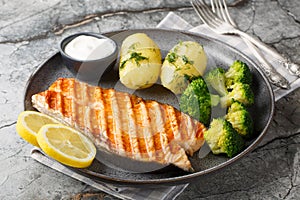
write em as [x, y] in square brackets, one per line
[66, 145]
[30, 122]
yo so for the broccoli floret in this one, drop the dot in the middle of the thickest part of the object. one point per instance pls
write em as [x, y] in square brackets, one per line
[215, 78]
[238, 72]
[240, 119]
[240, 92]
[223, 138]
[236, 106]
[196, 102]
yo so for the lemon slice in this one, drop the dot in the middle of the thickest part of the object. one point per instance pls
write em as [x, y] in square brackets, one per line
[30, 122]
[66, 145]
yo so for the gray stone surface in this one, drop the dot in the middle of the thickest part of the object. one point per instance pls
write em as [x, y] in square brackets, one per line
[29, 34]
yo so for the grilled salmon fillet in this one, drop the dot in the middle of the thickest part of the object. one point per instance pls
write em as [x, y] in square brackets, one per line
[122, 123]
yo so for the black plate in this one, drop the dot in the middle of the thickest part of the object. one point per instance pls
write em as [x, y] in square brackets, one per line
[219, 54]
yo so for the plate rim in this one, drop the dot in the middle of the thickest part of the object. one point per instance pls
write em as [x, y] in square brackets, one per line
[187, 177]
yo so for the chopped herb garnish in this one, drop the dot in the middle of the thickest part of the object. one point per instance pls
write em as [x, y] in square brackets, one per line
[186, 60]
[180, 42]
[190, 78]
[136, 56]
[177, 68]
[123, 64]
[187, 67]
[172, 57]
[176, 48]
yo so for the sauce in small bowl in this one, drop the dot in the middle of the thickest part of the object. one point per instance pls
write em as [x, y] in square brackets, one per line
[88, 55]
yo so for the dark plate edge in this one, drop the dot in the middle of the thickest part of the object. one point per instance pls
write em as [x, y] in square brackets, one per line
[189, 177]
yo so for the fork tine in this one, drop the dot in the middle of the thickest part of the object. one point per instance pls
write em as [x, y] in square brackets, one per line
[228, 17]
[207, 11]
[224, 16]
[215, 8]
[205, 14]
[201, 14]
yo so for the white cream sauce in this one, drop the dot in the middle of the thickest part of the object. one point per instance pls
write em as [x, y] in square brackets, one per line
[86, 47]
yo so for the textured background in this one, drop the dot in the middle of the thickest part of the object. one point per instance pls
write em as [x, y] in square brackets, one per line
[29, 33]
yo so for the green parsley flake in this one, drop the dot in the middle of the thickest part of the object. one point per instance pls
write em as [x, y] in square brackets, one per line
[171, 57]
[123, 64]
[135, 56]
[186, 60]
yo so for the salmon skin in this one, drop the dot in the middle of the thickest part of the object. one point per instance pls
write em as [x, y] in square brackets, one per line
[124, 124]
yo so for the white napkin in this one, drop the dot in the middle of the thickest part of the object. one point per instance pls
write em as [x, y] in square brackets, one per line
[171, 21]
[122, 192]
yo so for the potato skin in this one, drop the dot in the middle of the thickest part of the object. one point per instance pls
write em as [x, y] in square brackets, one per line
[187, 58]
[140, 61]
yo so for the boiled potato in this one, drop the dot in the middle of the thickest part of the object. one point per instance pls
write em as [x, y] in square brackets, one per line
[136, 42]
[140, 61]
[187, 58]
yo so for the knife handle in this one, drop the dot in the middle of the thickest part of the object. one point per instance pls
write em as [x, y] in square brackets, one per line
[273, 76]
[291, 67]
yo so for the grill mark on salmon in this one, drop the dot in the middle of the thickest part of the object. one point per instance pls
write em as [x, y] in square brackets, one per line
[132, 128]
[122, 109]
[153, 141]
[109, 119]
[150, 141]
[124, 124]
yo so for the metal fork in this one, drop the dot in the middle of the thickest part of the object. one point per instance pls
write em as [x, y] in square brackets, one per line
[222, 27]
[293, 68]
[220, 8]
